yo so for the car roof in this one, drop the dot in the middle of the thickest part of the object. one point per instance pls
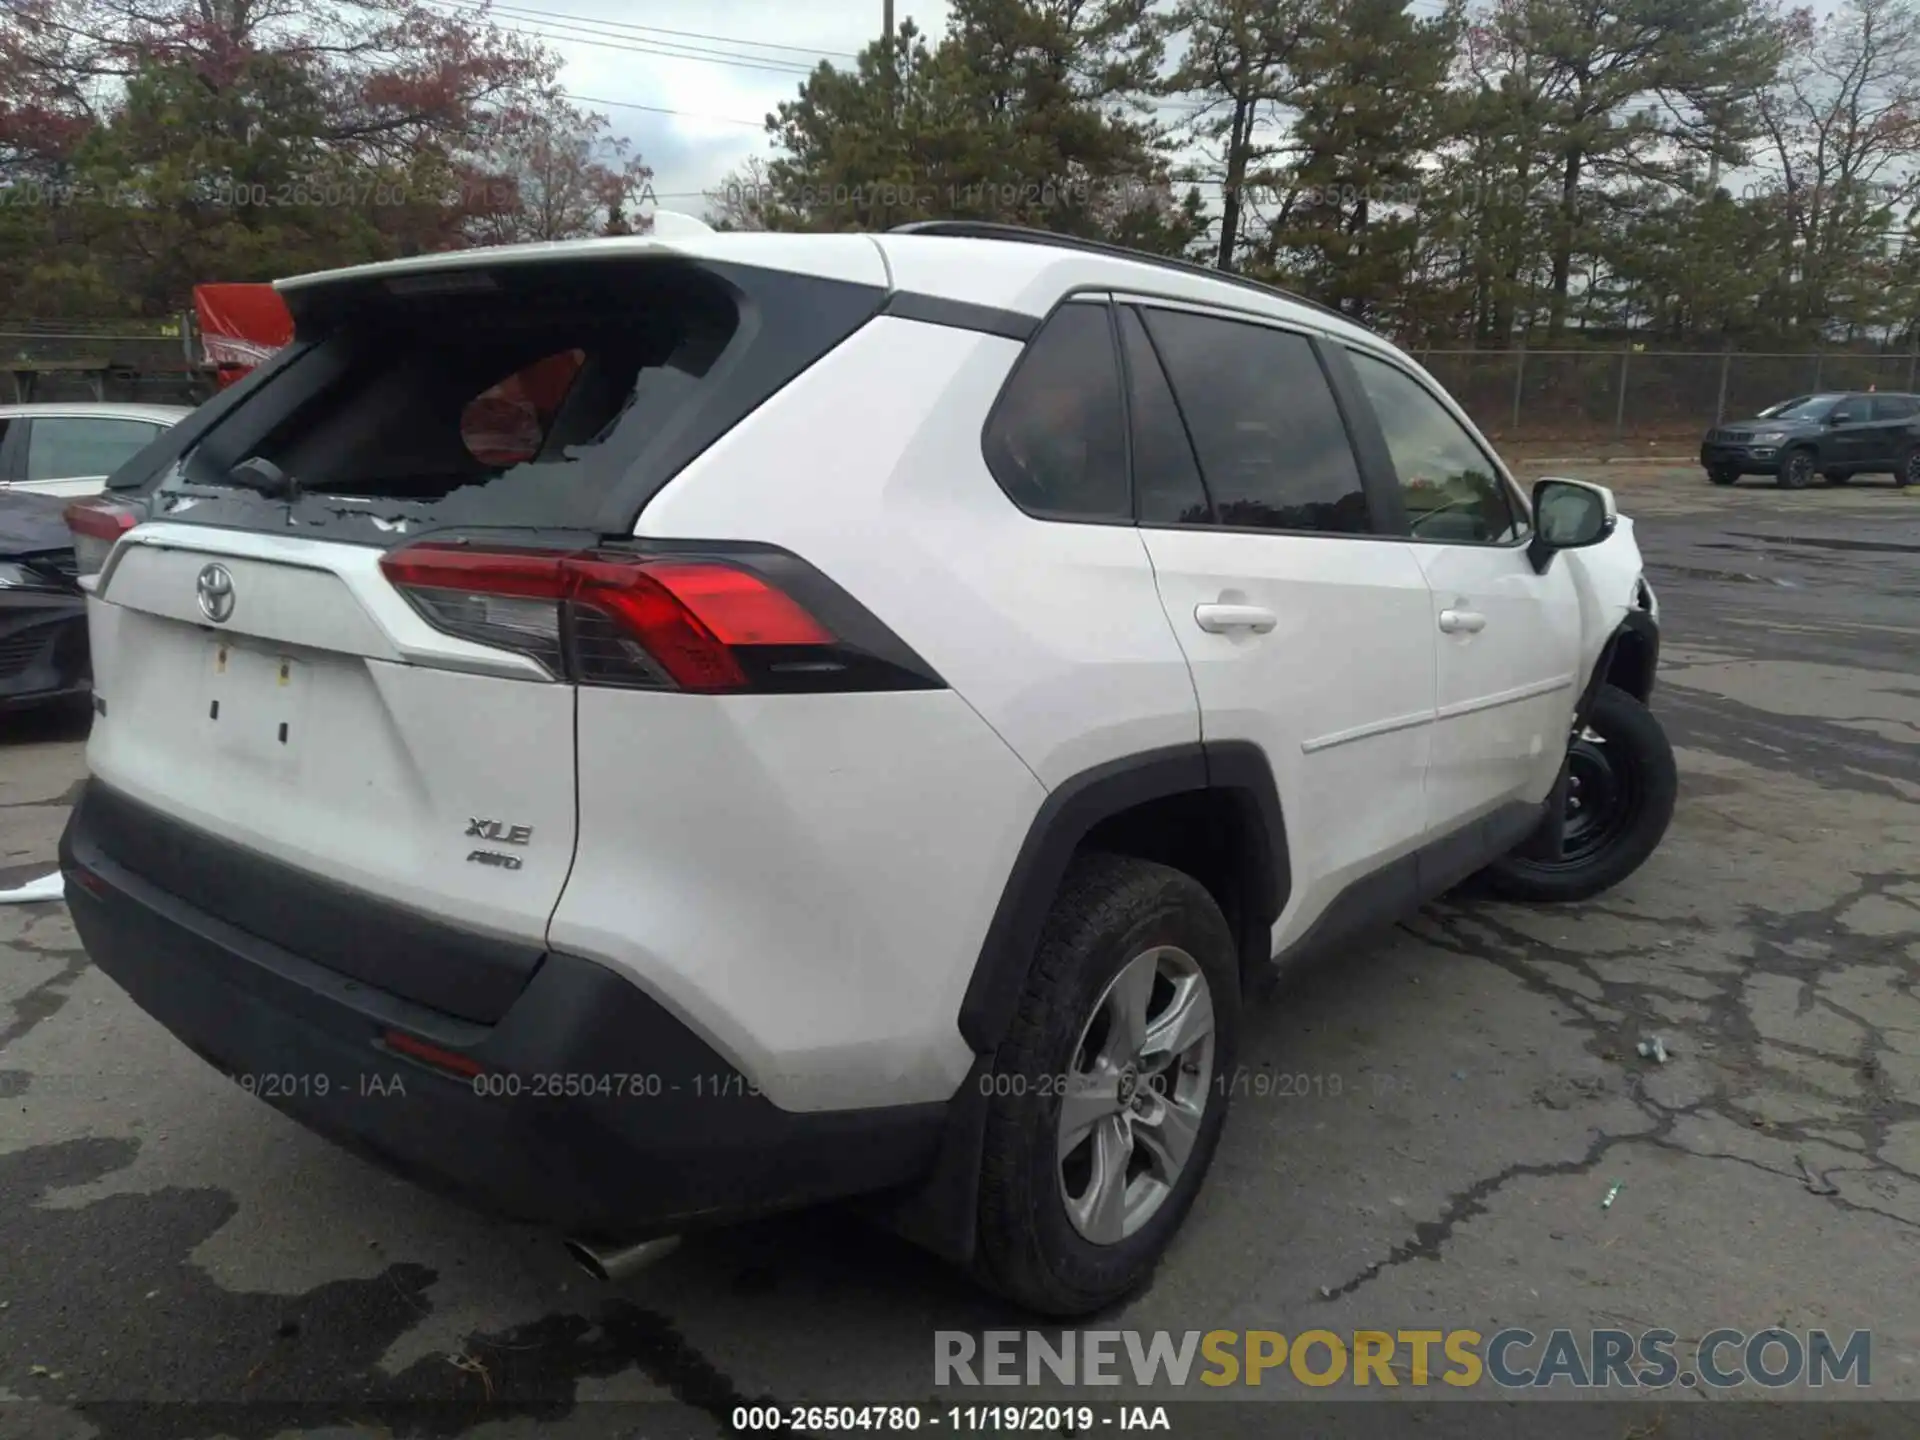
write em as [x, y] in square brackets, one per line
[1003, 268]
[97, 409]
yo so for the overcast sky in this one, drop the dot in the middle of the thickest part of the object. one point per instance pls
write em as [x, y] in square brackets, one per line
[702, 58]
[723, 64]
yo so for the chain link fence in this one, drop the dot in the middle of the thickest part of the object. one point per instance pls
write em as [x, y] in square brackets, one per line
[1660, 397]
[114, 360]
[1666, 398]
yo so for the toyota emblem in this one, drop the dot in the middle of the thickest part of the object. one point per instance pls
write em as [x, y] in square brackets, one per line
[215, 588]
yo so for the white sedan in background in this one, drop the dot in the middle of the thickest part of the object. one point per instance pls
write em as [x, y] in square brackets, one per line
[69, 448]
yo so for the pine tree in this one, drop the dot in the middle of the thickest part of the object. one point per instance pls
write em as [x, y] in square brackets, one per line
[1370, 106]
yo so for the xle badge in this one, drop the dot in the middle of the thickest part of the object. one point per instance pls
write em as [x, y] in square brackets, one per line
[500, 833]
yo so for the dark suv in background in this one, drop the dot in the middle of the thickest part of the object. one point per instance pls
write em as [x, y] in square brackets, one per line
[1837, 435]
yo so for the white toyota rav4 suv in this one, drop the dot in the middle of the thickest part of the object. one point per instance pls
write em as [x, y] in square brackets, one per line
[743, 720]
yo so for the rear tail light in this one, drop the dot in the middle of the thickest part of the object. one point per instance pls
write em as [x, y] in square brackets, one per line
[97, 525]
[702, 624]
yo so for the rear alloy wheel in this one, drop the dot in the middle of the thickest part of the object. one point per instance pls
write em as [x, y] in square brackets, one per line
[1621, 784]
[1723, 475]
[1107, 1096]
[1796, 470]
[1908, 471]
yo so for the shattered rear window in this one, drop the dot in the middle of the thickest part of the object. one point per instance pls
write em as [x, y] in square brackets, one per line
[519, 400]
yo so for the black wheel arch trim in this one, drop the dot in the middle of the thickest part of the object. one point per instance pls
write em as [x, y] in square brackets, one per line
[1071, 811]
[1629, 660]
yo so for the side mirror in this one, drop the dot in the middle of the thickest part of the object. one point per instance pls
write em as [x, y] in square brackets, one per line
[1568, 515]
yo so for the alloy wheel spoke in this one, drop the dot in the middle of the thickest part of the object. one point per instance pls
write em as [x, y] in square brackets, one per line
[1085, 1102]
[1127, 1002]
[1167, 1134]
[1100, 1212]
[1183, 1024]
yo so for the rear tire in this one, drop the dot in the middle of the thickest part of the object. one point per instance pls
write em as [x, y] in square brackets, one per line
[1622, 790]
[1796, 470]
[1908, 470]
[1073, 1217]
[1723, 475]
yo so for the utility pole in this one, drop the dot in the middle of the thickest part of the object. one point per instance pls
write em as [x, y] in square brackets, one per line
[886, 35]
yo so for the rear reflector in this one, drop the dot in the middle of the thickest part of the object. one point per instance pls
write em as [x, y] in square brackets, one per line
[427, 1053]
[601, 617]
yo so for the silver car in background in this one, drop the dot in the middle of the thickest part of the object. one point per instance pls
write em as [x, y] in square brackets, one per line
[68, 448]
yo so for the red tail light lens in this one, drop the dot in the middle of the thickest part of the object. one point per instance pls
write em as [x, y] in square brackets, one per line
[97, 525]
[606, 618]
[99, 519]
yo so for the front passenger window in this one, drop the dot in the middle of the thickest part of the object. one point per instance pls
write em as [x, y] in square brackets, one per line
[1451, 489]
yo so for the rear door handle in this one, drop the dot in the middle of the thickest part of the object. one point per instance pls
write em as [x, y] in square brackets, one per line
[1221, 619]
[1462, 622]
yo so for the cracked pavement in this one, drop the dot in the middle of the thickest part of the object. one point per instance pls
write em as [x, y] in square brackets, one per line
[1422, 1136]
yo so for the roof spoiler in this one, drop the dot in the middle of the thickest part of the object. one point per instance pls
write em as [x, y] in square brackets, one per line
[667, 226]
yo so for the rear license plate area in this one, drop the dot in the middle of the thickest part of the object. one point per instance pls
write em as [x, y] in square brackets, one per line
[254, 703]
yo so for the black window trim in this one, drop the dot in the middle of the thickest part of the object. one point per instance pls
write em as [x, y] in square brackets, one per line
[1186, 430]
[1087, 296]
[1522, 510]
[13, 448]
[1382, 498]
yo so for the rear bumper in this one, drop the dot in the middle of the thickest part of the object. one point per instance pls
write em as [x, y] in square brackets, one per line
[595, 1110]
[43, 647]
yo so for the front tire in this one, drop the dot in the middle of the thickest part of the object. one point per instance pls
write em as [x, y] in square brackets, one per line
[1796, 470]
[1109, 1092]
[1621, 790]
[1723, 475]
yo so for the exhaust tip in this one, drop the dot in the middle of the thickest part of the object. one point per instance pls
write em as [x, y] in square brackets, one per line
[616, 1265]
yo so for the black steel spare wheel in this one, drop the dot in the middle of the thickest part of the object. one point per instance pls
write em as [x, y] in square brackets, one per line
[1621, 783]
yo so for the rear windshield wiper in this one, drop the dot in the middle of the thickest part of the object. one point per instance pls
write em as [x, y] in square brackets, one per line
[266, 477]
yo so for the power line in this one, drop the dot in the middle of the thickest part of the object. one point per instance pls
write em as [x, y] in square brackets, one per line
[536, 13]
[663, 110]
[605, 41]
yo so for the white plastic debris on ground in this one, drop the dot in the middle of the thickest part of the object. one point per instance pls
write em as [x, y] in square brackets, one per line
[47, 887]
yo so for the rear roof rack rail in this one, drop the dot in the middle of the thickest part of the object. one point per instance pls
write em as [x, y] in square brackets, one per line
[991, 230]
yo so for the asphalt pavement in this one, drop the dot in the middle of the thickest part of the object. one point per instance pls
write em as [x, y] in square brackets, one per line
[1433, 1128]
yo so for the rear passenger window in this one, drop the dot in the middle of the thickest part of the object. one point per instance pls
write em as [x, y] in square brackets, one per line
[1272, 446]
[1894, 407]
[1056, 441]
[1166, 480]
